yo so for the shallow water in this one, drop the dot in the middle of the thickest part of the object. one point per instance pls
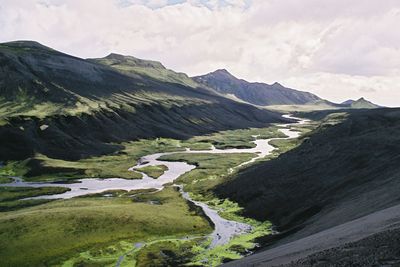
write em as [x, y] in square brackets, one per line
[224, 229]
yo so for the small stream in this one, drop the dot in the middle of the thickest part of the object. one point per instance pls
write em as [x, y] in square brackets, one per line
[224, 229]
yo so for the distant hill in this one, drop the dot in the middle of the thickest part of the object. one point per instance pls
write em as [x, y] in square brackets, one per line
[361, 103]
[325, 105]
[67, 107]
[347, 102]
[256, 93]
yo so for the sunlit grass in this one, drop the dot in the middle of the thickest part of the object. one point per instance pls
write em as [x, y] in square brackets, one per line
[60, 230]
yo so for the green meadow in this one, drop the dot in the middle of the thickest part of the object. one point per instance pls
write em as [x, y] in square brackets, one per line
[55, 232]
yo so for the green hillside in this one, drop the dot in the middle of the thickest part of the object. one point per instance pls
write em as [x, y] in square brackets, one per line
[67, 107]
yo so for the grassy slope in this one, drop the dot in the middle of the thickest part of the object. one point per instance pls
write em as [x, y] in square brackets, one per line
[59, 230]
[133, 66]
[11, 197]
[14, 193]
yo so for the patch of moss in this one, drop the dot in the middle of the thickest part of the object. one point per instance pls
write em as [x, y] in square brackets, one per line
[154, 171]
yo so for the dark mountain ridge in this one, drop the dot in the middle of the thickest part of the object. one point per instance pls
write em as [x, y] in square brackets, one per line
[256, 93]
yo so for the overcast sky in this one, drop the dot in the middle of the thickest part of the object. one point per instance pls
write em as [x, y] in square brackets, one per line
[338, 49]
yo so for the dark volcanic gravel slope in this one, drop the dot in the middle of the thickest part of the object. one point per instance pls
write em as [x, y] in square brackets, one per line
[339, 174]
[372, 240]
[382, 249]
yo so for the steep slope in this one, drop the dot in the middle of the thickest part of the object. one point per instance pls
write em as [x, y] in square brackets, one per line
[359, 104]
[256, 93]
[67, 107]
[372, 240]
[339, 173]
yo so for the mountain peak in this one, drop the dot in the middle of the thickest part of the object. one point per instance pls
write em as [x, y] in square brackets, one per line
[116, 56]
[133, 61]
[359, 103]
[223, 72]
[276, 84]
[26, 44]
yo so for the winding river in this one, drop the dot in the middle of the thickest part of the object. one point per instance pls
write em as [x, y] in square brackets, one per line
[224, 229]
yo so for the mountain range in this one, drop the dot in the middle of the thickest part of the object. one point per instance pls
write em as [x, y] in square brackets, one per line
[119, 98]
[67, 107]
[256, 93]
[275, 94]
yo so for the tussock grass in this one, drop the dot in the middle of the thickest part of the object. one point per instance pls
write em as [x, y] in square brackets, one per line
[11, 197]
[61, 230]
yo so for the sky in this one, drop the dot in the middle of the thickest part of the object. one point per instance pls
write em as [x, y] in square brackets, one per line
[337, 49]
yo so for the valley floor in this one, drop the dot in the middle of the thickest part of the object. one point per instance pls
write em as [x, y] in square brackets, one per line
[138, 227]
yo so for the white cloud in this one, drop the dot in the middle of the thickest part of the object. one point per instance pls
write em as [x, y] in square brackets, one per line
[383, 90]
[336, 48]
